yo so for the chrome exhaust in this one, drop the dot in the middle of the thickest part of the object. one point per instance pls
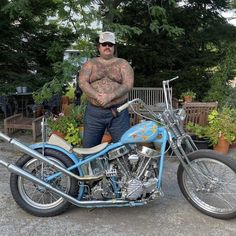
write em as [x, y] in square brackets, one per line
[42, 158]
[16, 170]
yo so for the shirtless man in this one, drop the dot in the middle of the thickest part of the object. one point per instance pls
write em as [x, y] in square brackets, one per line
[106, 80]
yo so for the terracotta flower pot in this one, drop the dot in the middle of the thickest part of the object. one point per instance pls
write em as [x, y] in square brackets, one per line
[58, 133]
[65, 100]
[81, 131]
[66, 109]
[222, 145]
[188, 98]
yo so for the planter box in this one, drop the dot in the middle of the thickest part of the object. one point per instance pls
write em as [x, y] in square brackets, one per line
[201, 143]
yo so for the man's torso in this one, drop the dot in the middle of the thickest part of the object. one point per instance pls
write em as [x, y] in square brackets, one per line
[106, 77]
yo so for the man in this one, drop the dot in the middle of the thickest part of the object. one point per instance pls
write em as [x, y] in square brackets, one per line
[106, 80]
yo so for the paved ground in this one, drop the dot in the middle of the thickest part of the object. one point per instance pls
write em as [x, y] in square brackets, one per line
[171, 215]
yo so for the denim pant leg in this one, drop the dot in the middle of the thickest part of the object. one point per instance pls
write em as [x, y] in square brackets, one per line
[94, 126]
[119, 125]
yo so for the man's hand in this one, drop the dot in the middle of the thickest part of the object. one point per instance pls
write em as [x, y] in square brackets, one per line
[104, 98]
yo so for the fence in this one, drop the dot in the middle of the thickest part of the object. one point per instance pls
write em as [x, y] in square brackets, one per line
[150, 96]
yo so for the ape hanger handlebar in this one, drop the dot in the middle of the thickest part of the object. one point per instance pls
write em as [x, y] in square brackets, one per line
[167, 96]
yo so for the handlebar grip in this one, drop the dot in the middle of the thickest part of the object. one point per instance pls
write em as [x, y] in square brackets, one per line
[122, 107]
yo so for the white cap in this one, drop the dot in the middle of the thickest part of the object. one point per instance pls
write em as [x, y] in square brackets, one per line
[107, 37]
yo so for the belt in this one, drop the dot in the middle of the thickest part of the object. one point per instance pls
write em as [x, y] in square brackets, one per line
[107, 108]
[112, 108]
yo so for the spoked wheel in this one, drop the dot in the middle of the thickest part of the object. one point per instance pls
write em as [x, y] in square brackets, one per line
[36, 199]
[215, 193]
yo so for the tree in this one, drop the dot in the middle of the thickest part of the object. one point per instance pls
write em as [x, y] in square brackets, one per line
[29, 43]
[220, 89]
[160, 38]
[176, 40]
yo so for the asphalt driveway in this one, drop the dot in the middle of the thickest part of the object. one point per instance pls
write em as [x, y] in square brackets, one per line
[170, 215]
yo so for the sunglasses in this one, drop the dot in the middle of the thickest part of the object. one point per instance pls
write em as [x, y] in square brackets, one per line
[110, 45]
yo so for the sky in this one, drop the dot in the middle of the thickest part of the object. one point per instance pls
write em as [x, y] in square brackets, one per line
[231, 16]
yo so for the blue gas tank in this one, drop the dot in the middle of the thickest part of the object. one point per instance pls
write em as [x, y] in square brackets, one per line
[143, 132]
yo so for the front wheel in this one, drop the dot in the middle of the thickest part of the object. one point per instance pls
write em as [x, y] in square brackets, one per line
[215, 175]
[36, 199]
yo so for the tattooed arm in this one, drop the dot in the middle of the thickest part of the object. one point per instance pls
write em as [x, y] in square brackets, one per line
[83, 80]
[128, 80]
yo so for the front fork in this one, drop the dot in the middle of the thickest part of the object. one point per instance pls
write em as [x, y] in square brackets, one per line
[177, 147]
[178, 137]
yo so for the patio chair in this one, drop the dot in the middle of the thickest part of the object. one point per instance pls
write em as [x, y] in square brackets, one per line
[19, 122]
[197, 112]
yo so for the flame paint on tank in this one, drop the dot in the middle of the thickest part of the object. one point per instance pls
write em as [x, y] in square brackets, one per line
[143, 132]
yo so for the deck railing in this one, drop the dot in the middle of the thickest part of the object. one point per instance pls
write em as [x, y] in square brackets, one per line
[153, 97]
[150, 96]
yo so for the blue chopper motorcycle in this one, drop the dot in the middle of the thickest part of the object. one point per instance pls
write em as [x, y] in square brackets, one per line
[52, 174]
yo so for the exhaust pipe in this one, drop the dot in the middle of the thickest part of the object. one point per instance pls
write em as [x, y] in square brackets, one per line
[16, 170]
[42, 158]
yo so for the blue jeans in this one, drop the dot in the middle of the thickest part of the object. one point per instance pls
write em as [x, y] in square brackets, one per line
[98, 119]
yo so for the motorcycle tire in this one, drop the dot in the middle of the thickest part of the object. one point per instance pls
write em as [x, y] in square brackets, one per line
[36, 199]
[216, 195]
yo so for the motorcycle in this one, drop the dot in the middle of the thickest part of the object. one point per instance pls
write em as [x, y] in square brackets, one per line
[52, 174]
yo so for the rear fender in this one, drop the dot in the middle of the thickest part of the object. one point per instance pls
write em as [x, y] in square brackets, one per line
[70, 155]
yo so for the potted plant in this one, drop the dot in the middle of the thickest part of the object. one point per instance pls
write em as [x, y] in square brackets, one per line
[197, 133]
[221, 128]
[66, 126]
[188, 96]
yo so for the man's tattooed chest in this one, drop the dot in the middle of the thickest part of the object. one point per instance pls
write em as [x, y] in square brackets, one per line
[107, 73]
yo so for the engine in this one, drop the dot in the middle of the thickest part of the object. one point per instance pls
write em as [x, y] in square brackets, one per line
[130, 169]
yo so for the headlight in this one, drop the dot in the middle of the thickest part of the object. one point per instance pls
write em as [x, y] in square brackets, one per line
[181, 113]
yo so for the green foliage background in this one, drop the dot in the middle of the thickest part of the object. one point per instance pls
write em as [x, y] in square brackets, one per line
[160, 39]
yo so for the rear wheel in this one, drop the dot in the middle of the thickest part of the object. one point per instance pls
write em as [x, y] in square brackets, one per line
[35, 199]
[216, 194]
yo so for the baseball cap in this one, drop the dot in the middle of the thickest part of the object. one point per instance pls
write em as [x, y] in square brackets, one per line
[107, 37]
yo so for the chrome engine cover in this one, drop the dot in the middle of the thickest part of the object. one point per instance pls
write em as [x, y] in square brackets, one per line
[134, 189]
[118, 152]
[103, 190]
